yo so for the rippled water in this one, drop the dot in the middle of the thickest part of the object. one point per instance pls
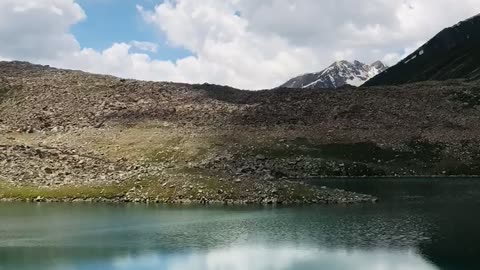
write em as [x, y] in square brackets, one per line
[420, 224]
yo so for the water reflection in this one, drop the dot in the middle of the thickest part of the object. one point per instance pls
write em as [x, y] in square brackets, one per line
[266, 258]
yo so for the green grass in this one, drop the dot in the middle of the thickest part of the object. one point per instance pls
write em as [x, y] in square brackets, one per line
[152, 188]
[356, 152]
[63, 192]
[183, 152]
[416, 156]
[199, 179]
[150, 145]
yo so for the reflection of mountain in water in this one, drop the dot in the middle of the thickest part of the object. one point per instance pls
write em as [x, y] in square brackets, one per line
[455, 242]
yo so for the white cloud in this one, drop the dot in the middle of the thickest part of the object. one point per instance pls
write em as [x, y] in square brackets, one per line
[145, 46]
[363, 30]
[32, 29]
[225, 50]
[244, 43]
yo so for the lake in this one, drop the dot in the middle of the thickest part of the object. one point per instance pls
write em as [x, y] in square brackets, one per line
[421, 224]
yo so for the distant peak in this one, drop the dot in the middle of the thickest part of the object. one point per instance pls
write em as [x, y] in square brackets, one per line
[378, 64]
[342, 62]
[356, 62]
[348, 63]
[338, 74]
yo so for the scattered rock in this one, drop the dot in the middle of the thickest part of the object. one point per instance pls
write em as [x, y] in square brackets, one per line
[260, 157]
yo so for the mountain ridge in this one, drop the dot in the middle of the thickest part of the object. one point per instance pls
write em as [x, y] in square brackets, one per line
[338, 74]
[451, 54]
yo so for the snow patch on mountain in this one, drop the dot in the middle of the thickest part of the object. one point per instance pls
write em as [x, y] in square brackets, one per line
[337, 75]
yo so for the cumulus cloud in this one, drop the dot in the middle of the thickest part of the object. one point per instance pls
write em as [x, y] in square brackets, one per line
[225, 50]
[244, 43]
[351, 29]
[32, 29]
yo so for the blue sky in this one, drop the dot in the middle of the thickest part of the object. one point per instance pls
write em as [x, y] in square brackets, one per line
[110, 21]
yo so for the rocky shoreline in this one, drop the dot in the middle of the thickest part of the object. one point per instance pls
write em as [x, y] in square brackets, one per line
[41, 173]
[312, 195]
[342, 199]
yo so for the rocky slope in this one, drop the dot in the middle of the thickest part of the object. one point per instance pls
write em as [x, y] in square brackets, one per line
[452, 53]
[73, 135]
[36, 98]
[337, 75]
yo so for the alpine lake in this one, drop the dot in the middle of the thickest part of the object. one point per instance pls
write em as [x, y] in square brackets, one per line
[419, 223]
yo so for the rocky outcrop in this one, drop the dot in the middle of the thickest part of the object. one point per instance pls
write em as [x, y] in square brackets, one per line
[46, 166]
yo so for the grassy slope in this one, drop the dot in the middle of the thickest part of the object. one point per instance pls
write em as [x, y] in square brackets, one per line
[181, 154]
[151, 146]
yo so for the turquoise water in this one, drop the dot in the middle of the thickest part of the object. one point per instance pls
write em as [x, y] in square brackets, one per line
[419, 224]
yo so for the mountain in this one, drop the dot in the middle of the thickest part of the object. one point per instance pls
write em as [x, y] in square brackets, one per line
[337, 75]
[453, 53]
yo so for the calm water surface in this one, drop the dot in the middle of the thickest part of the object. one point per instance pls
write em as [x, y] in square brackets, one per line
[420, 224]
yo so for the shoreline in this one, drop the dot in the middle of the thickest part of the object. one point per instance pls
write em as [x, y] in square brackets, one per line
[341, 197]
[279, 193]
[370, 199]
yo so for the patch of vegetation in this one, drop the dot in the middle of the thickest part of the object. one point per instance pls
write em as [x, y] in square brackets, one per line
[426, 151]
[152, 188]
[212, 184]
[351, 169]
[364, 152]
[361, 152]
[151, 145]
[163, 154]
[8, 190]
[414, 157]
[295, 191]
[167, 154]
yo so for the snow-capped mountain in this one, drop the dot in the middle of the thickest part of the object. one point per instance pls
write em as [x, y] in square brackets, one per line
[337, 75]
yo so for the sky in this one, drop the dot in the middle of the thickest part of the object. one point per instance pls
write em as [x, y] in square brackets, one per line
[248, 44]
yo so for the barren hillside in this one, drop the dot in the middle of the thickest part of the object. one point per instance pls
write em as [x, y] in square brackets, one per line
[170, 141]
